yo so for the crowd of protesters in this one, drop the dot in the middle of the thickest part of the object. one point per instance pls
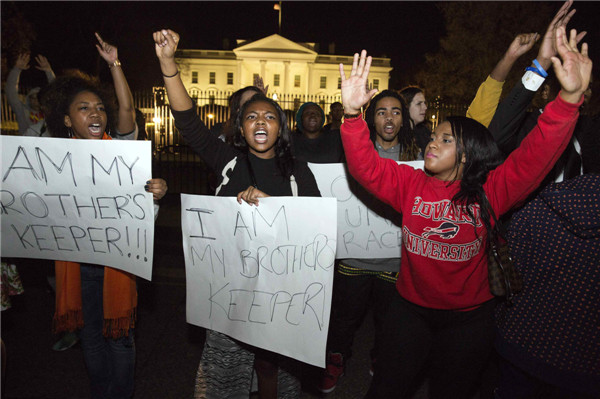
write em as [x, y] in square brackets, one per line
[503, 173]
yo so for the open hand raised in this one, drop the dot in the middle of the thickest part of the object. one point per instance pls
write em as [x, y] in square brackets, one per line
[42, 63]
[575, 70]
[354, 88]
[22, 61]
[258, 82]
[548, 47]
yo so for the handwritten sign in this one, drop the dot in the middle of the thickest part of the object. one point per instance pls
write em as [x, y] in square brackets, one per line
[367, 228]
[78, 200]
[262, 275]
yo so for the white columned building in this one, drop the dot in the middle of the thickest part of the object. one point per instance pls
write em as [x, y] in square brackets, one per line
[287, 67]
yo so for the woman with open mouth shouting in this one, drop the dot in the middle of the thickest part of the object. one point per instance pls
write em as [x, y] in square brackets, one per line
[79, 107]
[260, 164]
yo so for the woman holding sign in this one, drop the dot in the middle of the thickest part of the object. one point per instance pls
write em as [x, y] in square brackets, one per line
[98, 300]
[259, 165]
[444, 310]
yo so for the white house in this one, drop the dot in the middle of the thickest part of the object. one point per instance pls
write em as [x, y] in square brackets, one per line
[289, 69]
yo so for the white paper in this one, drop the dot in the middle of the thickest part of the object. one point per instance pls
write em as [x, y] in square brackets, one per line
[367, 228]
[262, 274]
[78, 200]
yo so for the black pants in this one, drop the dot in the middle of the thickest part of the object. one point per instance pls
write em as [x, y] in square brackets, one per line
[353, 295]
[456, 345]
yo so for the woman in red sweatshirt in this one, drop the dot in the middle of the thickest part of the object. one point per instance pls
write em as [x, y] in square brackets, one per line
[443, 313]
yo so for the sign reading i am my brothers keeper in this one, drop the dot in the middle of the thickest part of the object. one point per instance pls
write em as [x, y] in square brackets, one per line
[78, 200]
[262, 274]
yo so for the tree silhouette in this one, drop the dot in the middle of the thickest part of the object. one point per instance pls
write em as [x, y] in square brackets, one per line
[478, 34]
[17, 36]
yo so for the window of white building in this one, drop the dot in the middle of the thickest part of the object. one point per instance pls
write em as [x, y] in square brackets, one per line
[323, 84]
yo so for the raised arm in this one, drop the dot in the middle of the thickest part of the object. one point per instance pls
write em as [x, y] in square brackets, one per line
[126, 118]
[378, 175]
[165, 44]
[575, 70]
[12, 92]
[258, 82]
[511, 112]
[354, 88]
[548, 47]
[486, 99]
[12, 82]
[526, 167]
[44, 65]
[211, 149]
[519, 46]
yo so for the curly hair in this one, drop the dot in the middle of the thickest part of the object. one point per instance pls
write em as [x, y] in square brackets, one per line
[59, 95]
[409, 150]
[482, 155]
[283, 147]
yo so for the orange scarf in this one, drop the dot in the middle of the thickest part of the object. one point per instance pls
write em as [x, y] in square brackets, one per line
[119, 298]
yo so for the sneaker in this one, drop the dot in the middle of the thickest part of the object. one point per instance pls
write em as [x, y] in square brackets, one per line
[67, 341]
[331, 374]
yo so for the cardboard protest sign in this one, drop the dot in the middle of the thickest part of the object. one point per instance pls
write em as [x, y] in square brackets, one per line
[262, 274]
[78, 200]
[367, 228]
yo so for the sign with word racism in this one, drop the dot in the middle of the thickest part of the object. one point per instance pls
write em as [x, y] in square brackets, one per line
[367, 228]
[262, 274]
[78, 200]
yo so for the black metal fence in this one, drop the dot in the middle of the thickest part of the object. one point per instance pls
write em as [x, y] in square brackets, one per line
[172, 158]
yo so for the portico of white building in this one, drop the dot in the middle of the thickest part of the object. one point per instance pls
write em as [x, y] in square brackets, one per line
[289, 69]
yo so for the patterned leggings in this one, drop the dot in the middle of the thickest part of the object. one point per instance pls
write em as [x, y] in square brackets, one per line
[227, 371]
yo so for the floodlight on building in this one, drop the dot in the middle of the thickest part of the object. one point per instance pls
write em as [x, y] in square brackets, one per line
[157, 120]
[210, 116]
[274, 97]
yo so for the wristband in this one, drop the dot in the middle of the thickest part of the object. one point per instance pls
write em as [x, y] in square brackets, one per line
[532, 80]
[171, 76]
[117, 63]
[352, 116]
[540, 69]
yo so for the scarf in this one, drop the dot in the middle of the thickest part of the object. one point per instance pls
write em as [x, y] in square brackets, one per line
[119, 296]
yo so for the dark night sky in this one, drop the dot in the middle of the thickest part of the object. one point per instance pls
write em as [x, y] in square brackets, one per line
[65, 29]
[404, 31]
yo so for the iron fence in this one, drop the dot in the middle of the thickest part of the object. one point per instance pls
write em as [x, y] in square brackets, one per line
[172, 158]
